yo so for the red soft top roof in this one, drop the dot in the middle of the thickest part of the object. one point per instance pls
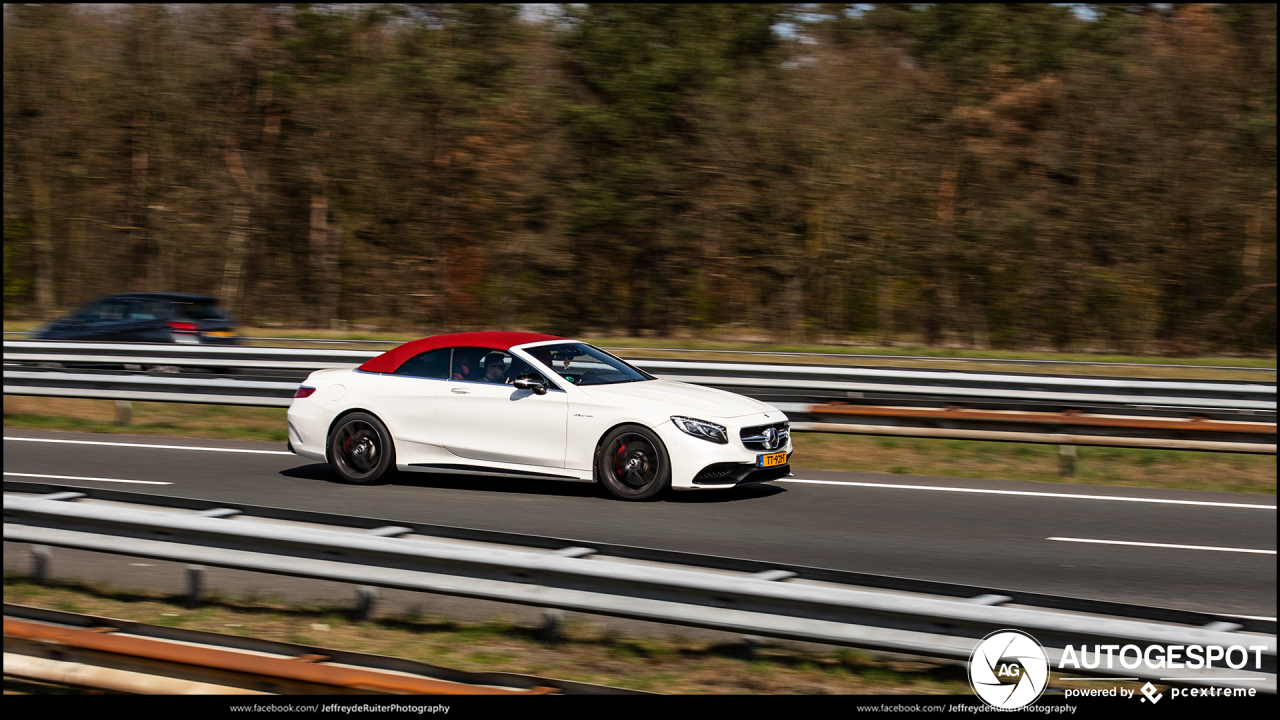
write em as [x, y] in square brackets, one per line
[391, 360]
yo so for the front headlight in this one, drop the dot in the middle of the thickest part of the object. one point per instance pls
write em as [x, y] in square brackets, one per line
[701, 429]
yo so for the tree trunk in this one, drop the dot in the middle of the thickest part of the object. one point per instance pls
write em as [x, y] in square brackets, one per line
[943, 292]
[138, 244]
[323, 260]
[42, 233]
[884, 309]
[231, 269]
[795, 307]
[1252, 242]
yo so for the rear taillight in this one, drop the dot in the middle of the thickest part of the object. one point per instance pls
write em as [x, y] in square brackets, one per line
[184, 327]
[304, 391]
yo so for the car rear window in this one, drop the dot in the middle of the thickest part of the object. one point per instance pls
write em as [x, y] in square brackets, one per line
[200, 309]
[433, 364]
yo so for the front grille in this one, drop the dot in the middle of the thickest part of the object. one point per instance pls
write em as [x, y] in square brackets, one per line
[754, 437]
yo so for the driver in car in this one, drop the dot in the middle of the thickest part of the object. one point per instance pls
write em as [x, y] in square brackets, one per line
[495, 369]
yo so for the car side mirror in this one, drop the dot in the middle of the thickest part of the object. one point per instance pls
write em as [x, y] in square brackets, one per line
[531, 381]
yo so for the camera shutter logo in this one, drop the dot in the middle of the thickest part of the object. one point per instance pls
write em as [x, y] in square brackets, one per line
[1008, 669]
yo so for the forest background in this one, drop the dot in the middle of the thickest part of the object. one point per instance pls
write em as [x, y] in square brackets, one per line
[1076, 177]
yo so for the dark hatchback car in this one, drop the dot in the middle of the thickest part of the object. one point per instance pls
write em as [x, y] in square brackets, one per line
[147, 317]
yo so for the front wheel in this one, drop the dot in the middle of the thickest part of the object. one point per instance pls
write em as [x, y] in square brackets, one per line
[633, 463]
[360, 449]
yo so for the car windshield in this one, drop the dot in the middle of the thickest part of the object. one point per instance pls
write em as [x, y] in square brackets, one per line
[583, 364]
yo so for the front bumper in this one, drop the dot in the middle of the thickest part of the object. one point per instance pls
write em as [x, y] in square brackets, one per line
[697, 464]
[734, 474]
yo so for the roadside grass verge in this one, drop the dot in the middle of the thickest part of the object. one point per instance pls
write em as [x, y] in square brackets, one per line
[1167, 469]
[586, 652]
[189, 420]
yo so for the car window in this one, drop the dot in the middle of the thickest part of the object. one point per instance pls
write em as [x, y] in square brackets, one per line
[142, 309]
[519, 367]
[88, 313]
[466, 363]
[200, 309]
[583, 364]
[432, 364]
[109, 311]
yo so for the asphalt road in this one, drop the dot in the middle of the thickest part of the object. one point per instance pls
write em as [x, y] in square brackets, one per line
[919, 527]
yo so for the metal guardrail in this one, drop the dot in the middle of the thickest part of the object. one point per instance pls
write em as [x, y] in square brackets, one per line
[837, 381]
[146, 388]
[125, 656]
[112, 648]
[669, 557]
[1066, 428]
[1212, 416]
[574, 578]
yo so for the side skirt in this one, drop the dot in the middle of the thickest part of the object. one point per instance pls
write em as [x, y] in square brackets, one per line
[457, 469]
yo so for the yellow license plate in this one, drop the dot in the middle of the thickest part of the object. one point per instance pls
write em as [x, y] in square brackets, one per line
[773, 460]
[220, 333]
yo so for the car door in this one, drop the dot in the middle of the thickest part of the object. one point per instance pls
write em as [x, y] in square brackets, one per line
[493, 421]
[140, 318]
[405, 400]
[77, 326]
[109, 323]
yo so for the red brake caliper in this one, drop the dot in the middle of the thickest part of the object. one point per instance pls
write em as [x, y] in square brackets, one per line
[617, 461]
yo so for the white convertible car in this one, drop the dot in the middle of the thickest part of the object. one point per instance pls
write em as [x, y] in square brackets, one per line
[533, 406]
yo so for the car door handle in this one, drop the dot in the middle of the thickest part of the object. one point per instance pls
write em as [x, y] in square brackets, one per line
[459, 391]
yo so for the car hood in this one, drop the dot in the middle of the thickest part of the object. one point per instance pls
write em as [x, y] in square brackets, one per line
[677, 397]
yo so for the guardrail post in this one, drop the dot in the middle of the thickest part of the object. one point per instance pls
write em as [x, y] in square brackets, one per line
[195, 584]
[1066, 460]
[41, 556]
[749, 645]
[366, 598]
[551, 621]
[124, 412]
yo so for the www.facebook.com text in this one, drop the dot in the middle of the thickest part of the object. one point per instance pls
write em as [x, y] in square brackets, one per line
[965, 708]
[335, 707]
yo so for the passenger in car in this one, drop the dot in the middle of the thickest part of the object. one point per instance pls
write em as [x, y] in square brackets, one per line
[463, 364]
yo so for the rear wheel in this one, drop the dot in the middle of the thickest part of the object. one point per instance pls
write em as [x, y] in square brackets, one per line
[633, 463]
[360, 449]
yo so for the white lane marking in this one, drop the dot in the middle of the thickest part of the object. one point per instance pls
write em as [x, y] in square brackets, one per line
[1251, 617]
[73, 477]
[1256, 506]
[141, 445]
[1164, 545]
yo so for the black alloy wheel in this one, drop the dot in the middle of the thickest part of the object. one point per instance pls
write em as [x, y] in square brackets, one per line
[360, 449]
[633, 463]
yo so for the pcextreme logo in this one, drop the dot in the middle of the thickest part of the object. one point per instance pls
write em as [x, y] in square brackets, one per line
[1008, 669]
